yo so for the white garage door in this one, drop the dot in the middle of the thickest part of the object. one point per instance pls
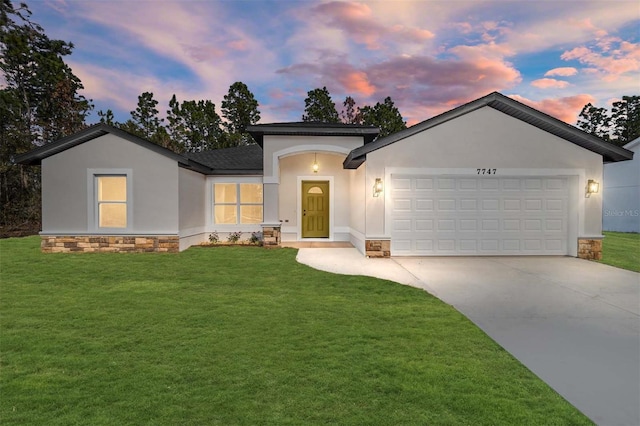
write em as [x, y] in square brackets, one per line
[438, 215]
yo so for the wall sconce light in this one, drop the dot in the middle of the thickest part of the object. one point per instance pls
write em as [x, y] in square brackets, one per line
[592, 187]
[315, 165]
[377, 187]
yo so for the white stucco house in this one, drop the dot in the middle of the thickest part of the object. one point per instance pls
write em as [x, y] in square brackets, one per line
[491, 177]
[621, 196]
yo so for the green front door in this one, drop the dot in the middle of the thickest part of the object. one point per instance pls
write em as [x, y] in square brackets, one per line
[315, 209]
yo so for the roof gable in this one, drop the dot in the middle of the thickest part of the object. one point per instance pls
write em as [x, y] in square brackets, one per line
[35, 156]
[507, 106]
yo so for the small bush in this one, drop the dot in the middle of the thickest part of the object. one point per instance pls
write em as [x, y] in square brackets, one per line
[214, 237]
[234, 237]
[256, 238]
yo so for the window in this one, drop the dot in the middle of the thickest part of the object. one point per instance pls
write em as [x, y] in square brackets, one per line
[112, 201]
[237, 203]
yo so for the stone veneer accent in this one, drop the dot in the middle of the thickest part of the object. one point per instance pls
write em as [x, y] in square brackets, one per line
[271, 236]
[107, 243]
[377, 248]
[590, 249]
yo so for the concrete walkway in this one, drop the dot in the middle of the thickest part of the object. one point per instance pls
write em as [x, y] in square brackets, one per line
[574, 323]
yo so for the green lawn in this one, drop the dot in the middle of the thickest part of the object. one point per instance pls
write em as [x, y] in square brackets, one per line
[622, 250]
[243, 336]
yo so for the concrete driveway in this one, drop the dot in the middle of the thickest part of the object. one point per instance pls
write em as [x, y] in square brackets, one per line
[574, 323]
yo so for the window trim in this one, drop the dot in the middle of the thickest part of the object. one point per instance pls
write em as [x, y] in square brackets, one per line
[238, 204]
[224, 227]
[93, 223]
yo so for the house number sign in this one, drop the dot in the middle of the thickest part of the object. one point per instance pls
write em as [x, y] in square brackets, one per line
[486, 171]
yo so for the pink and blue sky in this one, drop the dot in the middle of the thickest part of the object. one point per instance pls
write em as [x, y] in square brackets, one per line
[429, 56]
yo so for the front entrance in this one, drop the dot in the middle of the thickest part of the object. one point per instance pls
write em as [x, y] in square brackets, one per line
[315, 209]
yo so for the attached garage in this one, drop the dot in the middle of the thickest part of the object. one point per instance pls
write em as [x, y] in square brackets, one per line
[491, 177]
[460, 215]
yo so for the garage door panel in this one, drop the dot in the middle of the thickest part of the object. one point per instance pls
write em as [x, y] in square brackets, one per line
[424, 184]
[424, 245]
[484, 216]
[424, 224]
[556, 184]
[554, 225]
[512, 205]
[468, 184]
[402, 205]
[446, 184]
[489, 184]
[511, 184]
[532, 184]
[447, 205]
[468, 204]
[490, 224]
[555, 205]
[424, 205]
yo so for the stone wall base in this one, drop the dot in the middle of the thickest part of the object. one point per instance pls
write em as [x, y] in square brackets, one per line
[377, 248]
[271, 236]
[590, 249]
[104, 243]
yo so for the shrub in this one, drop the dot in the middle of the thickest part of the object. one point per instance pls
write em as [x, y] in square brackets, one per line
[214, 237]
[234, 237]
[256, 238]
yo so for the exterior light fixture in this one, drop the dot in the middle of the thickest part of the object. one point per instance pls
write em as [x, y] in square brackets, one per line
[315, 165]
[377, 187]
[592, 187]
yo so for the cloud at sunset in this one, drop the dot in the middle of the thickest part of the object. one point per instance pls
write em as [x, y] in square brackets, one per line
[561, 72]
[429, 57]
[549, 83]
[566, 108]
[358, 22]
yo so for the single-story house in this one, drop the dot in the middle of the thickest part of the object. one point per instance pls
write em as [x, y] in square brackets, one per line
[491, 177]
[621, 196]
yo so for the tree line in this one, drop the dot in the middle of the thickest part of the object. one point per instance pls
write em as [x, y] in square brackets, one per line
[194, 125]
[619, 126]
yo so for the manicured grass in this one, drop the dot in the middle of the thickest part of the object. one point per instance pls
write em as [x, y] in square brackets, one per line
[622, 250]
[243, 336]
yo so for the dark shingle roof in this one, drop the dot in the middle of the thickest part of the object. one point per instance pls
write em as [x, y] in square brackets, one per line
[312, 128]
[231, 161]
[510, 107]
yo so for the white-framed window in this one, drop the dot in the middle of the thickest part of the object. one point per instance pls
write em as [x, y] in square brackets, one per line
[237, 203]
[110, 200]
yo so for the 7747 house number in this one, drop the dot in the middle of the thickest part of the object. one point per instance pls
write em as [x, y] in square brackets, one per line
[486, 171]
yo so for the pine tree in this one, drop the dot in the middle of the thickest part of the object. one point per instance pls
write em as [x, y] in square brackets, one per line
[384, 115]
[39, 103]
[146, 123]
[351, 114]
[239, 109]
[318, 106]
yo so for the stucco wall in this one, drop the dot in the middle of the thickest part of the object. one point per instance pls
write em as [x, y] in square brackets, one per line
[275, 144]
[286, 158]
[358, 193]
[295, 168]
[192, 208]
[487, 138]
[621, 193]
[65, 192]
